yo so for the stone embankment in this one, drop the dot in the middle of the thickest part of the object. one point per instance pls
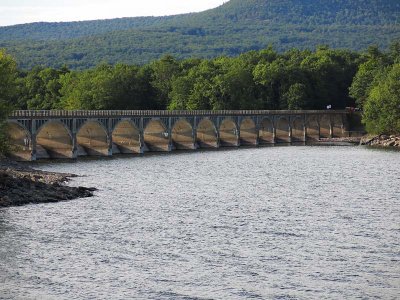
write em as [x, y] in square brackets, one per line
[382, 141]
[21, 185]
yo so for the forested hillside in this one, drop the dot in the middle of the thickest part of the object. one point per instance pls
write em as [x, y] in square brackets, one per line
[231, 29]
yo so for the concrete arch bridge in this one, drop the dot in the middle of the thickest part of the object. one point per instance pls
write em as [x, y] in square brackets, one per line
[69, 134]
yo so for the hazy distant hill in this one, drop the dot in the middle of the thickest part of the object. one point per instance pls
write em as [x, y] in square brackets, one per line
[235, 27]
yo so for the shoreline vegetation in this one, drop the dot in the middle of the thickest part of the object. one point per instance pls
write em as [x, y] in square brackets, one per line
[21, 185]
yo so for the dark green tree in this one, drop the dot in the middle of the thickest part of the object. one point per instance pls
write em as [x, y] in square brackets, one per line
[8, 75]
[164, 70]
[40, 88]
[382, 107]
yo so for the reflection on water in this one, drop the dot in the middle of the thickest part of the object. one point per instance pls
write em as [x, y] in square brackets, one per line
[281, 222]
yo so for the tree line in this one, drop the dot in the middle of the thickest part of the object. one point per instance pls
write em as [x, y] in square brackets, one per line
[265, 79]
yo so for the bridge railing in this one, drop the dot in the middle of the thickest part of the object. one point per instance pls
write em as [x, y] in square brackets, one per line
[157, 113]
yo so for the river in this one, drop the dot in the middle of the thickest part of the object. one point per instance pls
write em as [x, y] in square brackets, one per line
[263, 223]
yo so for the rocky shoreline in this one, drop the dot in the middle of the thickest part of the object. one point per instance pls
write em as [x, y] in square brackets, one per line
[20, 185]
[387, 141]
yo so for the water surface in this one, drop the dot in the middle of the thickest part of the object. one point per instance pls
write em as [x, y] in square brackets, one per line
[265, 223]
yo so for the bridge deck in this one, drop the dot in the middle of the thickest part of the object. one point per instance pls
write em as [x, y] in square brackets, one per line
[156, 113]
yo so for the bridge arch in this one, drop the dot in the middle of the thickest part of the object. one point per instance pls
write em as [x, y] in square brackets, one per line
[325, 126]
[207, 136]
[282, 130]
[92, 139]
[156, 136]
[228, 133]
[126, 137]
[18, 135]
[54, 139]
[298, 129]
[266, 132]
[248, 132]
[20, 140]
[182, 135]
[312, 128]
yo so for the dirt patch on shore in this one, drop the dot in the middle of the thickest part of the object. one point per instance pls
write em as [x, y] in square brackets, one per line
[21, 185]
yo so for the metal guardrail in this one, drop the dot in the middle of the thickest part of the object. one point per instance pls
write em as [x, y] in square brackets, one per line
[158, 113]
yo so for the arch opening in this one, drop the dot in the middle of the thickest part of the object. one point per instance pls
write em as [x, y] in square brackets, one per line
[54, 140]
[266, 133]
[325, 126]
[126, 138]
[156, 136]
[20, 141]
[92, 139]
[282, 131]
[248, 132]
[298, 130]
[207, 134]
[182, 135]
[228, 133]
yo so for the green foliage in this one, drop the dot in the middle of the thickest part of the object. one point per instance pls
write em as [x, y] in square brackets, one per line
[5, 109]
[261, 79]
[376, 88]
[195, 90]
[107, 87]
[296, 96]
[234, 28]
[373, 63]
[163, 71]
[382, 107]
[362, 83]
[8, 76]
[40, 89]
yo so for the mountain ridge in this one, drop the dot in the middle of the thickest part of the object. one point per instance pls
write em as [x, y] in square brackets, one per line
[230, 29]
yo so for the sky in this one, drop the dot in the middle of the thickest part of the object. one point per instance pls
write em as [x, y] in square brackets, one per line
[27, 11]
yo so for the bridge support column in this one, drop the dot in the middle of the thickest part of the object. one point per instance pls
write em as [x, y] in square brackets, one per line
[110, 139]
[194, 133]
[194, 138]
[34, 145]
[142, 145]
[218, 145]
[319, 130]
[274, 135]
[74, 145]
[74, 140]
[257, 135]
[170, 141]
[237, 133]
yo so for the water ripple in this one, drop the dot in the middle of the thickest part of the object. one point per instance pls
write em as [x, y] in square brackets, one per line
[266, 223]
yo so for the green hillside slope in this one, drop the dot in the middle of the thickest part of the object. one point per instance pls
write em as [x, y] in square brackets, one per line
[230, 29]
